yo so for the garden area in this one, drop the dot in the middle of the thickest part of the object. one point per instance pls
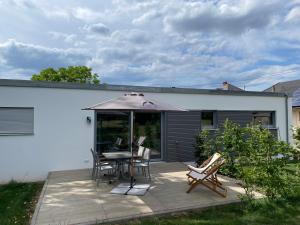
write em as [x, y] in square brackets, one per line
[261, 163]
[253, 156]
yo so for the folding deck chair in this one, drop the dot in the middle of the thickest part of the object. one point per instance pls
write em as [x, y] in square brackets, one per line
[207, 178]
[206, 164]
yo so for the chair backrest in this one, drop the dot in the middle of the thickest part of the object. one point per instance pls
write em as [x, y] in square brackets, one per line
[118, 141]
[93, 154]
[147, 154]
[140, 141]
[140, 151]
[211, 160]
[214, 169]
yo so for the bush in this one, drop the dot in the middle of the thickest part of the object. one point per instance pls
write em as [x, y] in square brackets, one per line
[253, 155]
[202, 147]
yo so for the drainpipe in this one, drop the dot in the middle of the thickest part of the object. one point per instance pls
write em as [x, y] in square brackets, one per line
[287, 117]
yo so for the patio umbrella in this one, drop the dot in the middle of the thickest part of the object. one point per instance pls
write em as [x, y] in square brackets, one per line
[133, 102]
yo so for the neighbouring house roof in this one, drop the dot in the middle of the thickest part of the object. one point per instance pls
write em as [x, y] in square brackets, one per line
[296, 98]
[127, 88]
[288, 87]
[230, 87]
[292, 88]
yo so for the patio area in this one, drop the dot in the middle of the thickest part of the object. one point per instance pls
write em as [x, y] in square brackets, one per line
[71, 197]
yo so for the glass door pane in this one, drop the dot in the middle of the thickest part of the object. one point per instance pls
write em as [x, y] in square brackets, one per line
[149, 125]
[110, 126]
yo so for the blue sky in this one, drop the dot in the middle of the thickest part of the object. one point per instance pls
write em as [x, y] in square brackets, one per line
[189, 43]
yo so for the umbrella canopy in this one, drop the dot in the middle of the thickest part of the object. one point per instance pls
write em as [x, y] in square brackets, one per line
[133, 102]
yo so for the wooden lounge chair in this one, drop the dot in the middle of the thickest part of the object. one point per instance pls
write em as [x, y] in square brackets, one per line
[206, 164]
[208, 179]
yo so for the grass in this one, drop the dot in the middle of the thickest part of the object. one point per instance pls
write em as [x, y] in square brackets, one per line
[263, 213]
[280, 212]
[17, 201]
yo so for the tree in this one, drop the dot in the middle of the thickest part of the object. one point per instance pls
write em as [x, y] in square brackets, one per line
[77, 74]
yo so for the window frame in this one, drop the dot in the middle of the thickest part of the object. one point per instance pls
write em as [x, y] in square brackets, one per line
[15, 133]
[214, 126]
[269, 126]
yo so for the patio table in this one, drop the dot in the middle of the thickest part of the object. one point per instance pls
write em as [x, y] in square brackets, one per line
[119, 157]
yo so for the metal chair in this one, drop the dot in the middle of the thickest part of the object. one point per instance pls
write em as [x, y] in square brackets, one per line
[99, 164]
[140, 141]
[116, 145]
[145, 164]
[138, 158]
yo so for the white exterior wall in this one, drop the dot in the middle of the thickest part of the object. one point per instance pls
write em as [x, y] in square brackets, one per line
[62, 137]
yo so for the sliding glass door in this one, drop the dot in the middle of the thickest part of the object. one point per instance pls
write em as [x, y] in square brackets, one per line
[114, 125]
[110, 127]
[149, 125]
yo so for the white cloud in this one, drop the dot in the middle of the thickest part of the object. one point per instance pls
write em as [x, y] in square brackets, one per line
[85, 14]
[97, 28]
[293, 15]
[68, 38]
[147, 17]
[222, 17]
[27, 56]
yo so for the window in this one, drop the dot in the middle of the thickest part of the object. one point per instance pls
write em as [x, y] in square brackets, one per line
[14, 121]
[266, 119]
[208, 120]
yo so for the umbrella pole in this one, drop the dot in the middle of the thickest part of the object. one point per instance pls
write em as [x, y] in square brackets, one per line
[131, 149]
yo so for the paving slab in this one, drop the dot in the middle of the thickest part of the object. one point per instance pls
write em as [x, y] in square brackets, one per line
[72, 197]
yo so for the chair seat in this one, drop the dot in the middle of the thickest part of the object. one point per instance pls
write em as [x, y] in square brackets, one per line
[141, 165]
[104, 163]
[195, 175]
[106, 167]
[137, 161]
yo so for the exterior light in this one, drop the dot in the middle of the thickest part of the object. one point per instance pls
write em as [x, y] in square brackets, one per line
[88, 119]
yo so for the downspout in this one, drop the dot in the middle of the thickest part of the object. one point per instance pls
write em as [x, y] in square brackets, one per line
[287, 117]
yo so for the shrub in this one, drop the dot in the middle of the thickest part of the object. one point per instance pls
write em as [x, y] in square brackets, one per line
[253, 155]
[202, 147]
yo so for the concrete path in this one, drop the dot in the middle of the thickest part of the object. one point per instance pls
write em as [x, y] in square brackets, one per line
[71, 197]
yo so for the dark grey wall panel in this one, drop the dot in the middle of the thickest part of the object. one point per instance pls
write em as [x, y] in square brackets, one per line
[182, 127]
[180, 135]
[241, 117]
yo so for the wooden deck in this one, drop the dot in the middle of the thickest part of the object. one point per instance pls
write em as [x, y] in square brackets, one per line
[71, 197]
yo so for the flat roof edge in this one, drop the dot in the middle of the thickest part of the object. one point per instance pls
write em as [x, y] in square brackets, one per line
[128, 88]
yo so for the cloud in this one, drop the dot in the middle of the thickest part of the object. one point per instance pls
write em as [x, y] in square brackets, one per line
[134, 36]
[34, 57]
[293, 15]
[148, 16]
[85, 14]
[187, 43]
[68, 38]
[97, 28]
[221, 17]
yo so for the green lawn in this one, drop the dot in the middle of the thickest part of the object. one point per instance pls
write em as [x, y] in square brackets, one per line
[284, 212]
[280, 213]
[17, 201]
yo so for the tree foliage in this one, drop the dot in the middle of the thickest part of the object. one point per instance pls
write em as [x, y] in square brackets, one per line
[77, 74]
[254, 156]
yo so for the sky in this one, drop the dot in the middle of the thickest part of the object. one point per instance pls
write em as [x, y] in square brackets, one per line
[252, 44]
